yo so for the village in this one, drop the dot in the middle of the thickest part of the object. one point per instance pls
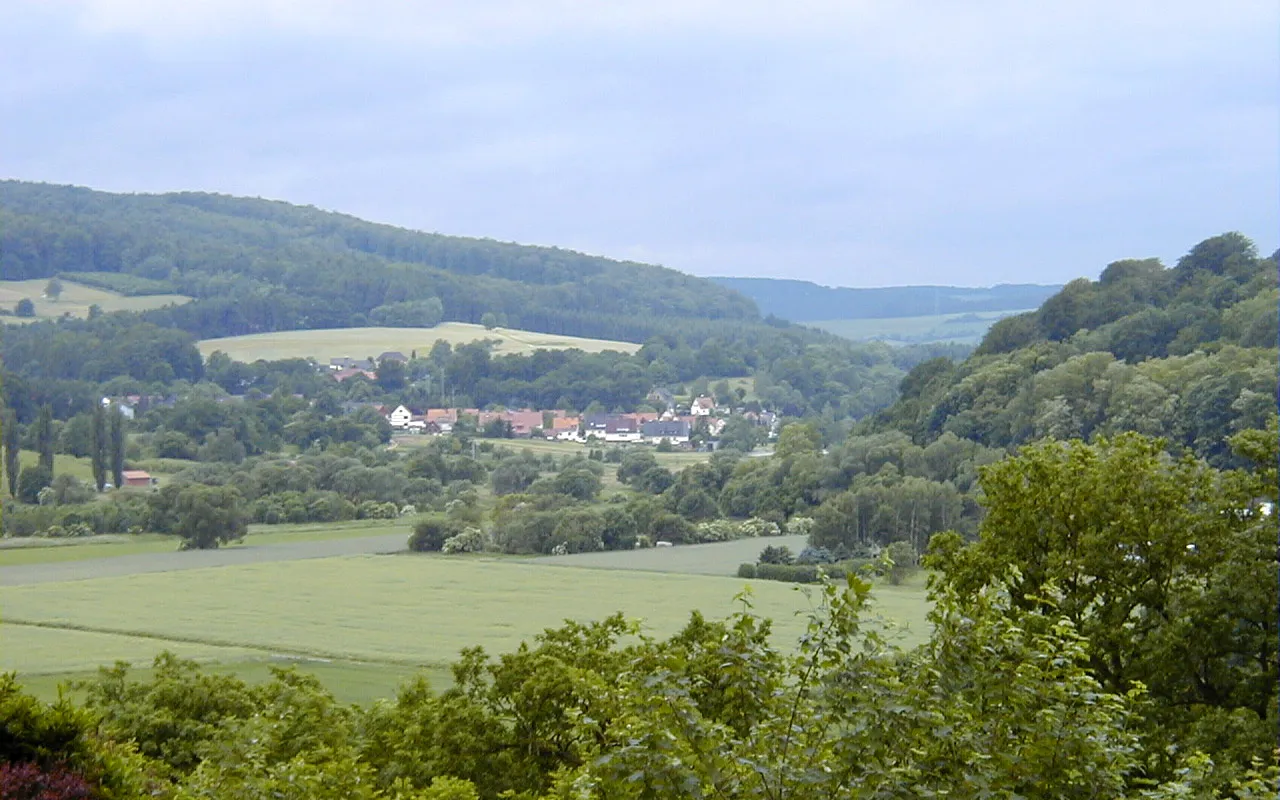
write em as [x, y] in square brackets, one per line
[703, 422]
[698, 424]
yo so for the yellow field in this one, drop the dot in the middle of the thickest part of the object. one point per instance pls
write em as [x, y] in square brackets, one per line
[75, 300]
[323, 345]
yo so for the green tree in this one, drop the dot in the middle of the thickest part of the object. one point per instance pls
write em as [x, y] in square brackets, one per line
[99, 446]
[393, 375]
[44, 437]
[12, 450]
[117, 446]
[24, 308]
[208, 516]
[53, 289]
[31, 481]
[489, 320]
[1166, 566]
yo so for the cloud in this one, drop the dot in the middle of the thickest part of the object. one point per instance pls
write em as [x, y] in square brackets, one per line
[841, 141]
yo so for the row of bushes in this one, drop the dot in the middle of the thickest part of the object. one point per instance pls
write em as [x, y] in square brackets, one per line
[320, 506]
[119, 513]
[805, 573]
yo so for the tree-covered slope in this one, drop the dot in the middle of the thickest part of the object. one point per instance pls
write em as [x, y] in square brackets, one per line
[257, 265]
[802, 301]
[1187, 353]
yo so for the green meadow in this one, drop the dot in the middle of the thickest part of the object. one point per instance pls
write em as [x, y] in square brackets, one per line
[364, 623]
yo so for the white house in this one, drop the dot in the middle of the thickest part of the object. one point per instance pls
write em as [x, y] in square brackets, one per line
[400, 417]
[702, 406]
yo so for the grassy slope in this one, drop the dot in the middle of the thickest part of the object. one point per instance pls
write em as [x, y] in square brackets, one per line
[76, 299]
[323, 345]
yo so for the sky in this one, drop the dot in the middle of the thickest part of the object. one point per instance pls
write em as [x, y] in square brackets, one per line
[848, 143]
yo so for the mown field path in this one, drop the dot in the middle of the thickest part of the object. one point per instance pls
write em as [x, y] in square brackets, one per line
[140, 563]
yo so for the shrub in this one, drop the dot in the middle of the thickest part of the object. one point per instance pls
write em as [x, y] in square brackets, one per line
[760, 527]
[746, 570]
[432, 531]
[900, 560]
[815, 555]
[800, 526]
[720, 530]
[776, 555]
[470, 540]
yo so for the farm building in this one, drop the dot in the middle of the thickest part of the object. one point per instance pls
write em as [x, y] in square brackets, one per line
[138, 478]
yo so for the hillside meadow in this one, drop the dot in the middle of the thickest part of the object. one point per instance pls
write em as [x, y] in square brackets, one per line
[323, 345]
[75, 300]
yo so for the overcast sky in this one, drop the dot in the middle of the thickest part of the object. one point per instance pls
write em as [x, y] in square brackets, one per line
[848, 143]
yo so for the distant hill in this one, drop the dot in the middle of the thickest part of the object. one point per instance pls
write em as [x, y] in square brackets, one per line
[802, 301]
[256, 266]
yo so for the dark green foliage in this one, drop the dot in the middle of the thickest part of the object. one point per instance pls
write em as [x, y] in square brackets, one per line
[24, 308]
[776, 555]
[116, 450]
[9, 438]
[430, 532]
[44, 438]
[204, 516]
[1167, 567]
[31, 481]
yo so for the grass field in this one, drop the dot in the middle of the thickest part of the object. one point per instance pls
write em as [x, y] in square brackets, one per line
[323, 345]
[75, 300]
[967, 328]
[16, 552]
[390, 610]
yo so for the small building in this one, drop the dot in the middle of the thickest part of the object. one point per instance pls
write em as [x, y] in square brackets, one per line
[138, 478]
[702, 406]
[393, 355]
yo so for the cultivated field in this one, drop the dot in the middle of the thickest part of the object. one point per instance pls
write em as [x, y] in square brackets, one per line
[371, 619]
[75, 300]
[323, 345]
[968, 328]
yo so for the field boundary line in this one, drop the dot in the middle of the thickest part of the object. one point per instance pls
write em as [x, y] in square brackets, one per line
[214, 642]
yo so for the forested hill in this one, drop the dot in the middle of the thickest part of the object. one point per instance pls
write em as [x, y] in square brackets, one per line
[802, 301]
[258, 265]
[1187, 353]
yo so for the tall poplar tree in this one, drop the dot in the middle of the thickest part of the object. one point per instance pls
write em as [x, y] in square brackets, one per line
[9, 436]
[117, 447]
[98, 446]
[44, 437]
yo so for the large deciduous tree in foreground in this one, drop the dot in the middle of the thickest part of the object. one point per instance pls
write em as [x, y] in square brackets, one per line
[1167, 567]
